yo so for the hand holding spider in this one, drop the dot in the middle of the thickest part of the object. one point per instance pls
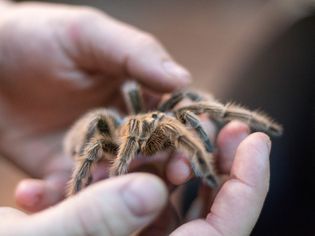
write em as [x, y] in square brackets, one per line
[101, 133]
[244, 160]
[42, 131]
[75, 58]
[110, 207]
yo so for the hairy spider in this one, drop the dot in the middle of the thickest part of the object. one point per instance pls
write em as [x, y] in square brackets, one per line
[103, 134]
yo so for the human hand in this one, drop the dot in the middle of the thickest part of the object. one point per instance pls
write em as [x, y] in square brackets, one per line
[121, 205]
[243, 162]
[244, 159]
[238, 203]
[57, 62]
[117, 206]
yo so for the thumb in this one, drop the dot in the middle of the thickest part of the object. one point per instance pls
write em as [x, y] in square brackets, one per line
[116, 206]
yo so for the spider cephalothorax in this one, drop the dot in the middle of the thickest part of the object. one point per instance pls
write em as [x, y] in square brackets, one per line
[103, 134]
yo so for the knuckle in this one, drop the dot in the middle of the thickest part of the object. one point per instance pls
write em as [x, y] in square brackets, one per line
[259, 149]
[80, 23]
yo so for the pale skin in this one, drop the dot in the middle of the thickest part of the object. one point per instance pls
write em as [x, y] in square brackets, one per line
[82, 52]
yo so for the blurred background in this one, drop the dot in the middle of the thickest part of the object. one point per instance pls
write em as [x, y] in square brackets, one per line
[258, 53]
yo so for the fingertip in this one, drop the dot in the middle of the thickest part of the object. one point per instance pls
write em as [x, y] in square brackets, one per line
[228, 141]
[178, 76]
[159, 75]
[151, 64]
[34, 195]
[265, 139]
[178, 170]
[251, 163]
[258, 144]
[29, 194]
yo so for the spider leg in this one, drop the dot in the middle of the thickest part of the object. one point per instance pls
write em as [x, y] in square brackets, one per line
[94, 151]
[201, 161]
[102, 121]
[128, 149]
[82, 170]
[225, 113]
[176, 98]
[82, 175]
[133, 97]
[99, 139]
[194, 121]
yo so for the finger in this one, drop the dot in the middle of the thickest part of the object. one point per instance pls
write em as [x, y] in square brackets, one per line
[178, 170]
[239, 201]
[149, 63]
[241, 198]
[228, 140]
[34, 194]
[37, 194]
[105, 44]
[116, 206]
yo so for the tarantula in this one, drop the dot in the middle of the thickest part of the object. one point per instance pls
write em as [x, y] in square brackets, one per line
[103, 134]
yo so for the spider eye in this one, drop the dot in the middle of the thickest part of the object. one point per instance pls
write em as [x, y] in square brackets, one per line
[154, 116]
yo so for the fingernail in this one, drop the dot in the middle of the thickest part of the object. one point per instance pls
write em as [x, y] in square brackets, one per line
[145, 195]
[268, 142]
[176, 71]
